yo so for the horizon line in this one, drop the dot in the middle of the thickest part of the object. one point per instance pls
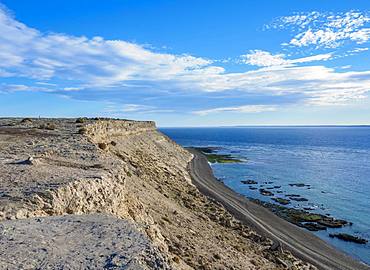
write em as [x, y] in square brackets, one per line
[299, 125]
[215, 126]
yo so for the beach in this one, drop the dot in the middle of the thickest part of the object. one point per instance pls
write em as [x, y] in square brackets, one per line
[301, 243]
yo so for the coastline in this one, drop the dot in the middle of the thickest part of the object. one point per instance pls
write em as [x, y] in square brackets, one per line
[106, 179]
[301, 243]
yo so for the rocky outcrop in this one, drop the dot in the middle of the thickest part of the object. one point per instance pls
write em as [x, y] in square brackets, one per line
[113, 128]
[73, 242]
[130, 171]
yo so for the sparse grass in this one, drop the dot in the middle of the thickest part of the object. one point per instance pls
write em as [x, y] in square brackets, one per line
[80, 120]
[97, 166]
[48, 126]
[26, 120]
[82, 131]
[166, 219]
[176, 259]
[102, 146]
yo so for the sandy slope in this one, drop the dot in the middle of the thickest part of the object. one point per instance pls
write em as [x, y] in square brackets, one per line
[301, 243]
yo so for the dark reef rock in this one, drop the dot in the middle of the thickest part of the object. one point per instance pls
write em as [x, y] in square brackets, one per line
[348, 238]
[292, 195]
[218, 158]
[207, 150]
[297, 199]
[329, 222]
[314, 227]
[301, 218]
[281, 201]
[265, 192]
[212, 157]
[299, 185]
[249, 182]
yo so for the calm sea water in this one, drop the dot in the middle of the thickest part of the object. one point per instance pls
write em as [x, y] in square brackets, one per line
[335, 161]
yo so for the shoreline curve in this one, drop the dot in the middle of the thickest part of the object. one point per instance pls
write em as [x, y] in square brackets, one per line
[301, 243]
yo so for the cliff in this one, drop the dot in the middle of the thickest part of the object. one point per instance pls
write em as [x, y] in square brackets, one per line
[101, 172]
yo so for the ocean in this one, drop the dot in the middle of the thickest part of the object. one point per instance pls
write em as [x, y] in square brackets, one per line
[333, 161]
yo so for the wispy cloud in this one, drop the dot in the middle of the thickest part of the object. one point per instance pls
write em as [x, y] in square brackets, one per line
[328, 30]
[12, 87]
[358, 50]
[239, 109]
[134, 108]
[72, 88]
[266, 59]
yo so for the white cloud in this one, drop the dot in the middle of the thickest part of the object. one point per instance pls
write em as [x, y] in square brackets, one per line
[266, 59]
[300, 20]
[72, 88]
[134, 107]
[346, 67]
[327, 30]
[82, 64]
[123, 109]
[316, 84]
[263, 59]
[127, 108]
[358, 50]
[4, 73]
[239, 109]
[12, 87]
[318, 57]
[45, 83]
[95, 61]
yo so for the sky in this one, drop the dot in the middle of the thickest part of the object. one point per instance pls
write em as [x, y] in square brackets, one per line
[187, 62]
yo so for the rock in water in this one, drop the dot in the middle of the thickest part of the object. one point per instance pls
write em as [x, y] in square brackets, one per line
[348, 238]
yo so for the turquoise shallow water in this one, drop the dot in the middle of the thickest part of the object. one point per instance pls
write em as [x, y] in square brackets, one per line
[334, 161]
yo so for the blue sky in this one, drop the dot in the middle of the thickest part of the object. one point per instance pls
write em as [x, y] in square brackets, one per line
[187, 63]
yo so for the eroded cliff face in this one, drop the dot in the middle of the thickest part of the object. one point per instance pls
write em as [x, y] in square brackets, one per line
[131, 171]
[55, 172]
